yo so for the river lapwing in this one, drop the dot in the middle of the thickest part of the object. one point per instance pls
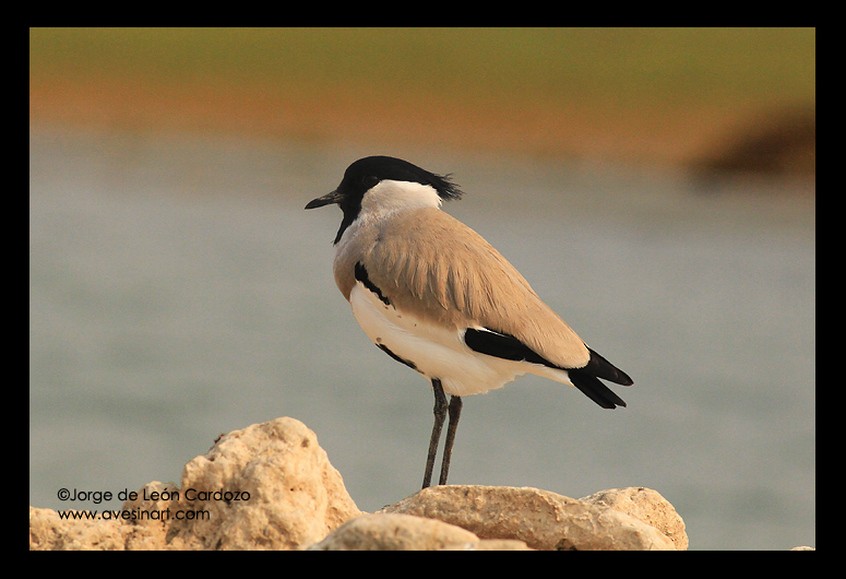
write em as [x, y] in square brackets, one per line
[435, 296]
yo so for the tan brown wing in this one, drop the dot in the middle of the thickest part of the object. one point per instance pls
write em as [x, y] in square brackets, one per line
[433, 266]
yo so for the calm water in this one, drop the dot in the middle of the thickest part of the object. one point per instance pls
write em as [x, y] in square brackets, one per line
[178, 291]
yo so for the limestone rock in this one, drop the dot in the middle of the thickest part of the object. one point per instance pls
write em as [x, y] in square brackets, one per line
[268, 486]
[648, 506]
[501, 545]
[150, 512]
[398, 532]
[128, 528]
[47, 531]
[541, 519]
[394, 532]
[271, 486]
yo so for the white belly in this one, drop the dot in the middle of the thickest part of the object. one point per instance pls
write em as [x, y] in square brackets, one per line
[435, 351]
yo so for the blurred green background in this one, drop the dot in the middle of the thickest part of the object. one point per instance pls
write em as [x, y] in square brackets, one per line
[643, 95]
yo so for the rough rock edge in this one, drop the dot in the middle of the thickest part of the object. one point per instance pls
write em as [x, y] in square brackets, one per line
[284, 454]
[542, 519]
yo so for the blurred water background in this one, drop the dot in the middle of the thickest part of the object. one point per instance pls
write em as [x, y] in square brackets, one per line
[179, 291]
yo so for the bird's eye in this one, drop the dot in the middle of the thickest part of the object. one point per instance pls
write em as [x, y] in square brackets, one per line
[369, 181]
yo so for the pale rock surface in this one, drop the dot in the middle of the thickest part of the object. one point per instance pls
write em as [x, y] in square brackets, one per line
[541, 519]
[397, 532]
[47, 531]
[295, 499]
[648, 506]
[277, 490]
[143, 532]
[295, 496]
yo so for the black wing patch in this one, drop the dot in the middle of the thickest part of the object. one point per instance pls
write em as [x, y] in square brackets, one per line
[361, 275]
[586, 379]
[591, 387]
[502, 346]
[388, 351]
[602, 368]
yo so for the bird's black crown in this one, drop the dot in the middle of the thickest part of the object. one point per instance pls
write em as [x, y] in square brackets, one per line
[367, 172]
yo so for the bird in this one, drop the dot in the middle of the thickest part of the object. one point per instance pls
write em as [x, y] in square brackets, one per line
[434, 295]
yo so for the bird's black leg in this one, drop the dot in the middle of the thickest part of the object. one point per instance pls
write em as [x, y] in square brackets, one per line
[454, 415]
[440, 414]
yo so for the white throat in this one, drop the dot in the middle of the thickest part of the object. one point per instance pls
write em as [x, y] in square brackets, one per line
[383, 201]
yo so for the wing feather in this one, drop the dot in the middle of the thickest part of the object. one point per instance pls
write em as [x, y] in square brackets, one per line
[429, 263]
